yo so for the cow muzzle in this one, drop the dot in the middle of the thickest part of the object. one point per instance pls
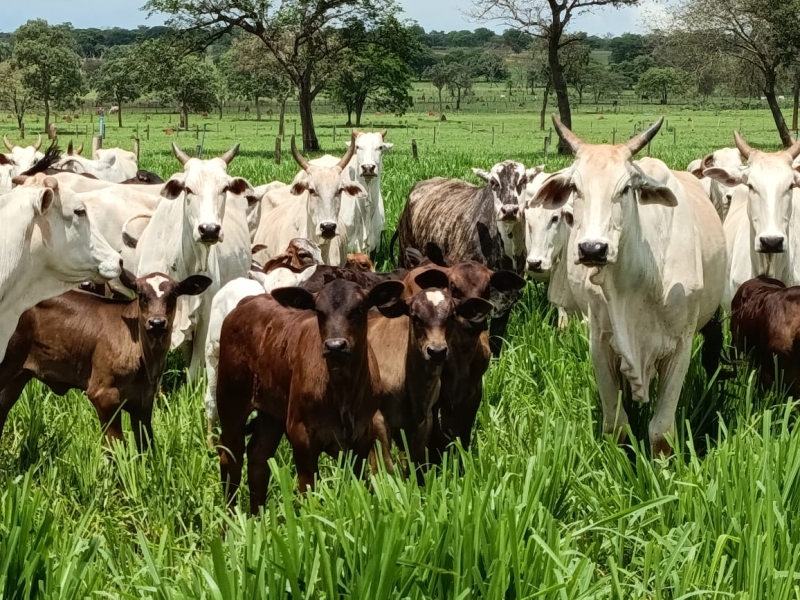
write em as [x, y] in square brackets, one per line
[593, 253]
[535, 266]
[210, 233]
[157, 326]
[327, 230]
[771, 244]
[369, 171]
[509, 212]
[436, 353]
[108, 270]
[336, 348]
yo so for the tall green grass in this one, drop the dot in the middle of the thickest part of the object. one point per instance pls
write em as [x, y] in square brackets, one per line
[541, 507]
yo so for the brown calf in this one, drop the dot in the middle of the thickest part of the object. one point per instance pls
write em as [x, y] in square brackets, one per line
[359, 262]
[412, 349]
[765, 320]
[299, 253]
[114, 350]
[303, 362]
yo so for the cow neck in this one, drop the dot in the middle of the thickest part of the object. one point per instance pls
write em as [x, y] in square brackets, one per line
[194, 256]
[422, 380]
[347, 386]
[512, 237]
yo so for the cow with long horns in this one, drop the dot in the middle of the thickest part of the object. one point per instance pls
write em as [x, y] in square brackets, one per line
[314, 215]
[17, 160]
[761, 216]
[652, 259]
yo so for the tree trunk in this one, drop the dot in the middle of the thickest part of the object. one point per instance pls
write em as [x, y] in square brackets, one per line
[220, 110]
[545, 95]
[258, 108]
[46, 113]
[796, 104]
[359, 111]
[310, 142]
[458, 99]
[185, 117]
[559, 83]
[119, 113]
[775, 109]
[282, 119]
[440, 99]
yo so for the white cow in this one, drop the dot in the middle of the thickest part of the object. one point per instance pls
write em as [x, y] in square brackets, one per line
[762, 230]
[547, 233]
[314, 215]
[17, 160]
[193, 232]
[719, 194]
[228, 298]
[655, 262]
[48, 245]
[112, 164]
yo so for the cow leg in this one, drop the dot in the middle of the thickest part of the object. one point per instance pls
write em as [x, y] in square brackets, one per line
[713, 341]
[306, 458]
[497, 332]
[231, 457]
[212, 360]
[563, 318]
[10, 395]
[267, 435]
[380, 433]
[142, 423]
[671, 375]
[606, 372]
[107, 403]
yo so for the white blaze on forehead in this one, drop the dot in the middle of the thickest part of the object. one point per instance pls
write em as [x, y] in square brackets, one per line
[435, 298]
[155, 282]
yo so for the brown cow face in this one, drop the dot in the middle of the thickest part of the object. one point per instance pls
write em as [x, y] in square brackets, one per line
[359, 262]
[158, 295]
[341, 308]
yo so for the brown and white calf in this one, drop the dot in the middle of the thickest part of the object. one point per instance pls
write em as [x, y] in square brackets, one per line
[114, 350]
[412, 349]
[303, 363]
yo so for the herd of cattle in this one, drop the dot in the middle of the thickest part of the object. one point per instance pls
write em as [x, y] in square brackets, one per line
[271, 288]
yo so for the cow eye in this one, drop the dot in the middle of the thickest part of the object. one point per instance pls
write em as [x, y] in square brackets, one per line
[188, 191]
[554, 220]
[303, 255]
[80, 212]
[312, 191]
[626, 190]
[495, 183]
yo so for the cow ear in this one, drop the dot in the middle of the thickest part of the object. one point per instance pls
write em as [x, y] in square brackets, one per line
[237, 186]
[173, 188]
[696, 168]
[435, 254]
[796, 176]
[727, 177]
[432, 278]
[394, 310]
[110, 158]
[653, 191]
[474, 310]
[555, 191]
[353, 189]
[19, 179]
[568, 216]
[413, 257]
[482, 174]
[294, 297]
[387, 146]
[506, 281]
[298, 188]
[43, 201]
[193, 285]
[386, 293]
[5, 160]
[531, 173]
[128, 279]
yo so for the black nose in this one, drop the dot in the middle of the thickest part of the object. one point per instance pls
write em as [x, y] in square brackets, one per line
[336, 345]
[368, 169]
[771, 244]
[535, 266]
[156, 324]
[328, 230]
[509, 212]
[593, 252]
[437, 352]
[209, 232]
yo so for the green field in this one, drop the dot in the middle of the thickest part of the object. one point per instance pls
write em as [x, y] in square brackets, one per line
[544, 508]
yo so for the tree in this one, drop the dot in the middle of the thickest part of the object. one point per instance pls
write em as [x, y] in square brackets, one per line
[663, 82]
[761, 33]
[517, 41]
[577, 61]
[547, 20]
[460, 81]
[604, 82]
[626, 47]
[15, 97]
[439, 76]
[306, 37]
[492, 65]
[117, 80]
[51, 67]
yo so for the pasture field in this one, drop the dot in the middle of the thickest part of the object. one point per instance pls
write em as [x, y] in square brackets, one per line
[541, 507]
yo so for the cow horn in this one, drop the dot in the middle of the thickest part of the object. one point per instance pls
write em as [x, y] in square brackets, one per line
[383, 133]
[8, 144]
[70, 149]
[794, 150]
[743, 147]
[230, 154]
[638, 142]
[79, 151]
[182, 157]
[299, 158]
[572, 140]
[38, 143]
[349, 154]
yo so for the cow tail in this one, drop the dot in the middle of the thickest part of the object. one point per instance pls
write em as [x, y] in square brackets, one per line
[395, 236]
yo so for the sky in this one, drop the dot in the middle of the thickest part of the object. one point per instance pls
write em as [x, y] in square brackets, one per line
[447, 15]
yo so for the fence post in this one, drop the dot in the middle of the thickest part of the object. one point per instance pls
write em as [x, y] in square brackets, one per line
[434, 134]
[197, 151]
[674, 135]
[492, 135]
[414, 151]
[97, 143]
[136, 147]
[334, 135]
[613, 136]
[278, 150]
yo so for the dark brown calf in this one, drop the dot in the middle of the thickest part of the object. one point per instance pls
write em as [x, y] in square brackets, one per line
[303, 362]
[358, 261]
[114, 350]
[765, 321]
[412, 350]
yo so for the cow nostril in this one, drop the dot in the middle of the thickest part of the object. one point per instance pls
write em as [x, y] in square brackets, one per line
[535, 265]
[771, 244]
[209, 231]
[328, 230]
[437, 352]
[157, 324]
[593, 252]
[336, 345]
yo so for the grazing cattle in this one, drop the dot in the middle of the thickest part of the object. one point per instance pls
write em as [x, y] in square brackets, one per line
[114, 350]
[359, 262]
[314, 216]
[547, 236]
[184, 235]
[765, 322]
[759, 226]
[113, 110]
[303, 362]
[112, 164]
[719, 194]
[654, 257]
[48, 244]
[468, 222]
[412, 349]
